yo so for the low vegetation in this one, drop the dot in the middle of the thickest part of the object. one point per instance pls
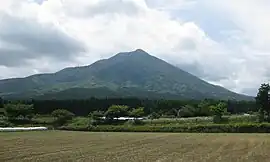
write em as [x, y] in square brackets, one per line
[209, 128]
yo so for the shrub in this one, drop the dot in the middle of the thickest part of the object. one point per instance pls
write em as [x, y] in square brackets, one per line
[5, 123]
[203, 108]
[134, 122]
[96, 118]
[79, 122]
[187, 111]
[203, 120]
[45, 120]
[14, 111]
[243, 119]
[154, 115]
[179, 121]
[62, 116]
[211, 128]
[116, 111]
[136, 113]
[96, 115]
[220, 119]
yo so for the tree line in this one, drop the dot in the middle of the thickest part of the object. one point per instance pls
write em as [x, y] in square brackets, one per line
[189, 108]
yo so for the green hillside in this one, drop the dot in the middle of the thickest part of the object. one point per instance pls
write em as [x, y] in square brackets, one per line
[133, 73]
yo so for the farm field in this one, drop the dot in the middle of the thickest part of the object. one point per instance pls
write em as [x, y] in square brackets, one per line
[88, 146]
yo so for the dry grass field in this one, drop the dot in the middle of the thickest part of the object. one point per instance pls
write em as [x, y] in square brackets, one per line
[127, 147]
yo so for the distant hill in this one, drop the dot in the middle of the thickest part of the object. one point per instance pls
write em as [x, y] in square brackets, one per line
[126, 74]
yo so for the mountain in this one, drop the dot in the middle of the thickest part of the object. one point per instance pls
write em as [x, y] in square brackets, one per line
[135, 74]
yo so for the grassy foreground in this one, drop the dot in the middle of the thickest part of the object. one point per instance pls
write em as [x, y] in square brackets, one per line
[89, 146]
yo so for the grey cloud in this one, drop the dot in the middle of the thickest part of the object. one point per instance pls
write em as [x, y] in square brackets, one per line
[40, 1]
[10, 58]
[187, 44]
[199, 71]
[267, 73]
[250, 91]
[35, 40]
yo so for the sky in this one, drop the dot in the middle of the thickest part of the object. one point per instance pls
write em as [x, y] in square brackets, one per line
[223, 42]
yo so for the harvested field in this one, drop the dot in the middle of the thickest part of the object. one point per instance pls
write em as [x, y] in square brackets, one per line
[128, 147]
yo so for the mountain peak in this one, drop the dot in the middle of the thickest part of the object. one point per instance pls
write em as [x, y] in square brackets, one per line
[135, 53]
[140, 51]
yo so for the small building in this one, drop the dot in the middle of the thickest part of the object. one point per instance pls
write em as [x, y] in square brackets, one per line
[125, 118]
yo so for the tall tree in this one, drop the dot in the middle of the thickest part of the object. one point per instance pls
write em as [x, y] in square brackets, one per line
[204, 108]
[116, 111]
[263, 100]
[138, 112]
[1, 103]
[218, 111]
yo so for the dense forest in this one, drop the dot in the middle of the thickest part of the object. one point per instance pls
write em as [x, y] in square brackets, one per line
[164, 107]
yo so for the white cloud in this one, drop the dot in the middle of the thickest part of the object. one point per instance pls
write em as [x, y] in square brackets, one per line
[170, 5]
[86, 31]
[250, 41]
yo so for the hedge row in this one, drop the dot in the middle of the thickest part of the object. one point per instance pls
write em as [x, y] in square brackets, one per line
[210, 128]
